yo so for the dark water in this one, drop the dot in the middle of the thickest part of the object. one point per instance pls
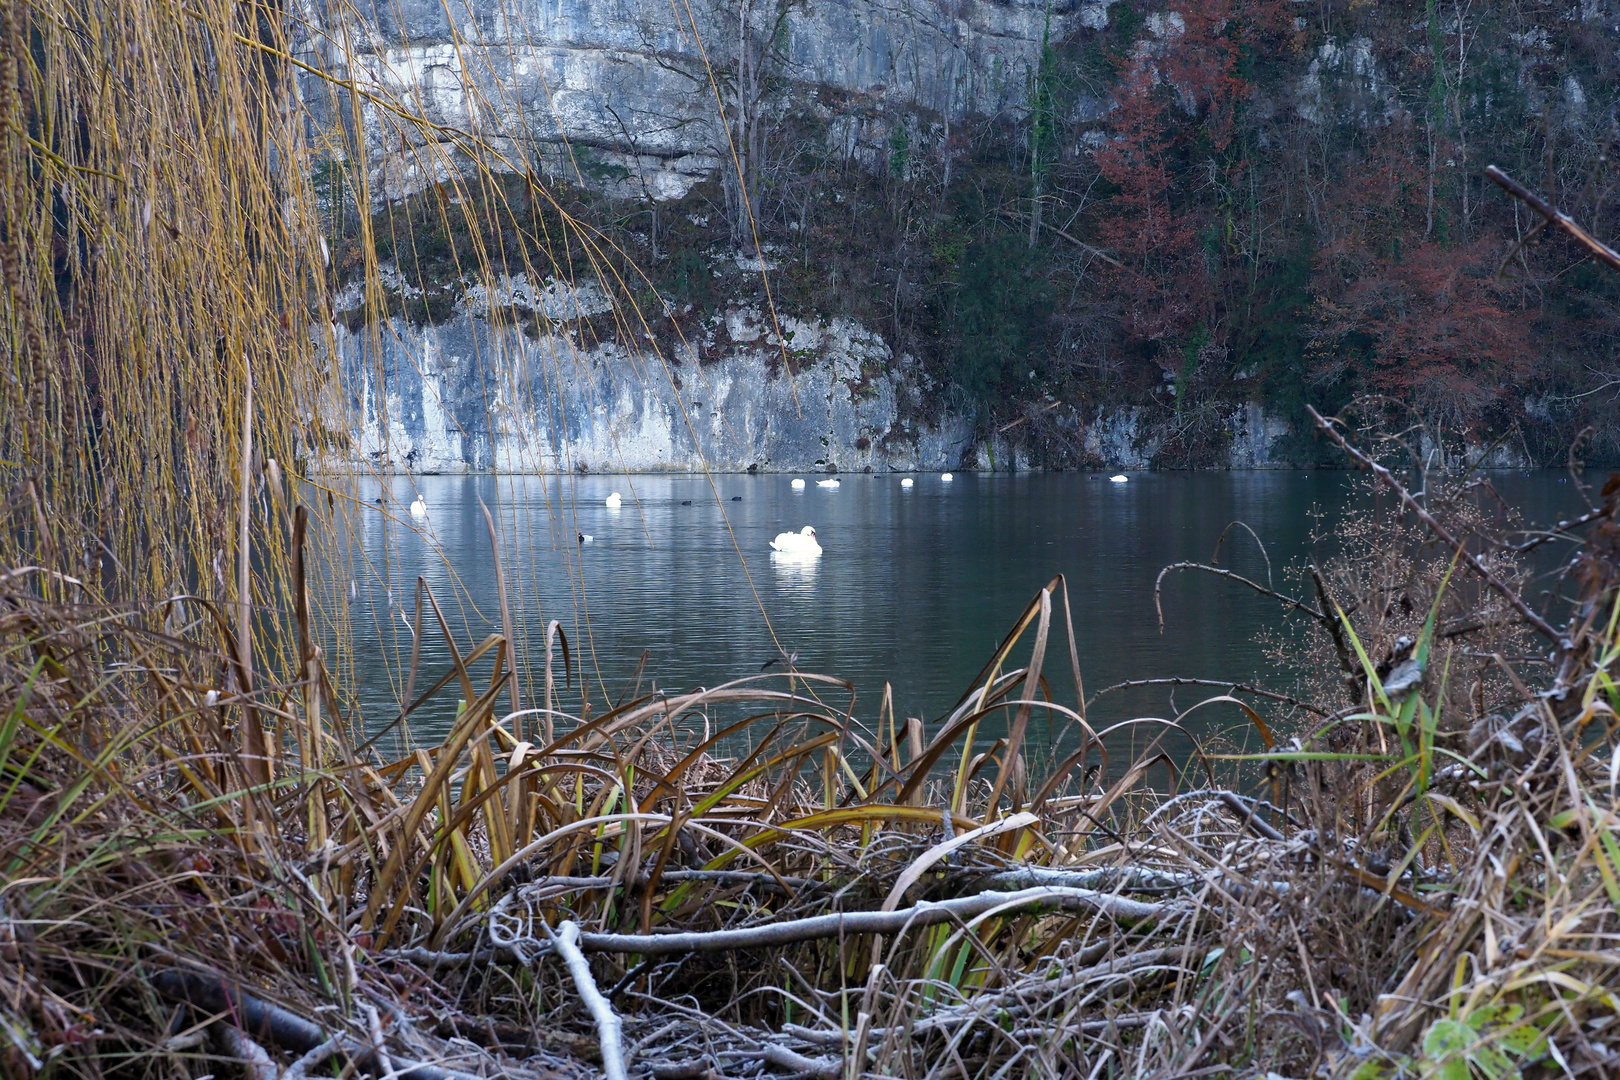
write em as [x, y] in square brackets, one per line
[915, 587]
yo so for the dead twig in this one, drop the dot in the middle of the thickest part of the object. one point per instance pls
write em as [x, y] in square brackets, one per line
[851, 923]
[1230, 686]
[609, 1027]
[1541, 626]
[1287, 601]
[1554, 216]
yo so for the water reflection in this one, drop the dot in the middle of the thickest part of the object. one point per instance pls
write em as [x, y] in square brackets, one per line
[915, 587]
[796, 570]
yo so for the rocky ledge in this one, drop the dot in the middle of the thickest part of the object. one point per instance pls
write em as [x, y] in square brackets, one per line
[519, 383]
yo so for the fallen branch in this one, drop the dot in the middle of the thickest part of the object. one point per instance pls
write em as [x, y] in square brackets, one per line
[1231, 687]
[822, 1068]
[609, 1028]
[1016, 1000]
[848, 923]
[282, 1029]
[1127, 879]
[318, 1056]
[718, 877]
[256, 1064]
[1540, 625]
[1248, 815]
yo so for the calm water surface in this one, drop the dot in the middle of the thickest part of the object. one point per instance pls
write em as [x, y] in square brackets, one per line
[915, 587]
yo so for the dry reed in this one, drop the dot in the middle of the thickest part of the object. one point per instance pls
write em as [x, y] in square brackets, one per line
[1427, 882]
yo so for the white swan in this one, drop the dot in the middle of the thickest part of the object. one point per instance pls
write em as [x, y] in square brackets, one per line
[947, 477]
[419, 508]
[1118, 478]
[798, 484]
[906, 482]
[827, 483]
[801, 543]
[613, 501]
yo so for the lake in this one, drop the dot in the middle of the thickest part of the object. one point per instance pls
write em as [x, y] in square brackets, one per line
[915, 586]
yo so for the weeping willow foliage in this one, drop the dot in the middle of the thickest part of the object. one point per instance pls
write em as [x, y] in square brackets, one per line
[159, 251]
[180, 183]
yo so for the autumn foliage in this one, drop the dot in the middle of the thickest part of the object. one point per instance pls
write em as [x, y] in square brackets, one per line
[1434, 328]
[1169, 134]
[1297, 213]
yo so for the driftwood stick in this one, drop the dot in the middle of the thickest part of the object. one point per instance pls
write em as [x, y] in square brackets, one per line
[1021, 999]
[1528, 613]
[1247, 815]
[256, 1064]
[718, 877]
[792, 931]
[1126, 879]
[822, 1068]
[272, 1024]
[299, 1069]
[609, 1027]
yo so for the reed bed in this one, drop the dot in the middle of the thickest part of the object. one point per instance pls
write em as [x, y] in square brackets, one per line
[1421, 878]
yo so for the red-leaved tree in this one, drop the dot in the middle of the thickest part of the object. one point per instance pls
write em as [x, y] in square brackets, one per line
[1172, 123]
[1434, 328]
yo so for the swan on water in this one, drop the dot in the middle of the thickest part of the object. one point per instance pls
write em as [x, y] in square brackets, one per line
[419, 508]
[586, 538]
[827, 483]
[947, 477]
[613, 501]
[906, 482]
[798, 484]
[1118, 478]
[802, 542]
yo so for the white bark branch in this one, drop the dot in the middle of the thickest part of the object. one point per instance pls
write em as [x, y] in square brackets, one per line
[838, 924]
[608, 1025]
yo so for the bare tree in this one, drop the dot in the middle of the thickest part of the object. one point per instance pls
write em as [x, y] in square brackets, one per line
[736, 57]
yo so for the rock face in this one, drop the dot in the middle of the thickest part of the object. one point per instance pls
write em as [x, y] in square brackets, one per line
[618, 93]
[469, 394]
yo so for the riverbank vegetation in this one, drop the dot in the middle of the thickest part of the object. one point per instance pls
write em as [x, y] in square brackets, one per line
[1415, 874]
[1407, 865]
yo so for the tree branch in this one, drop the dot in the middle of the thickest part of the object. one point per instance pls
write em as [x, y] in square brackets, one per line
[1529, 615]
[1287, 601]
[1235, 687]
[1554, 216]
[844, 924]
[608, 1024]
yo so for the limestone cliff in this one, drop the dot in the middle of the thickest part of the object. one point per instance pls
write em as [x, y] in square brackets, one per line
[945, 295]
[474, 393]
[626, 94]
